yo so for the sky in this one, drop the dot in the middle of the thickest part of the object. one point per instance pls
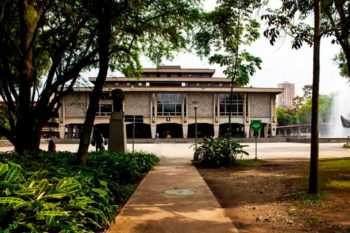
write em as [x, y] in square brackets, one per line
[280, 63]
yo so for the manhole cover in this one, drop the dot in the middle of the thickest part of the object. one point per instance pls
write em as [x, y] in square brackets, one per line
[180, 192]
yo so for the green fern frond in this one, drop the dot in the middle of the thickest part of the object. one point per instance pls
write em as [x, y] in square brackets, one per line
[4, 167]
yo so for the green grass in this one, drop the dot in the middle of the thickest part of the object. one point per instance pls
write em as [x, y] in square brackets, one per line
[333, 174]
[248, 163]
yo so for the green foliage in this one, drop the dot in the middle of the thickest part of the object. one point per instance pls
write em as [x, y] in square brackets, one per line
[51, 193]
[222, 33]
[324, 110]
[346, 145]
[220, 152]
[285, 116]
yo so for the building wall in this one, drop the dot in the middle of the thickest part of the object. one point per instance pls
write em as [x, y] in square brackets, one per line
[205, 104]
[76, 104]
[260, 105]
[137, 104]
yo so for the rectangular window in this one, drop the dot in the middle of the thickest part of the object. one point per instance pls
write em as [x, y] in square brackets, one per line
[169, 104]
[236, 104]
[104, 110]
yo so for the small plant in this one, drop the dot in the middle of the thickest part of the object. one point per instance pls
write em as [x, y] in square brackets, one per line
[347, 145]
[219, 152]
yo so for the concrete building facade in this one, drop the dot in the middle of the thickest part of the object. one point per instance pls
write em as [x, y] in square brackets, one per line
[166, 97]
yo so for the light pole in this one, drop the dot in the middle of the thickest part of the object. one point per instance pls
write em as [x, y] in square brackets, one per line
[195, 106]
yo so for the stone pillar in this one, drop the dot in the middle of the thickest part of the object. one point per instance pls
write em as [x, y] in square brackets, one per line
[216, 131]
[266, 130]
[117, 133]
[185, 131]
[61, 130]
[153, 131]
[273, 130]
[247, 130]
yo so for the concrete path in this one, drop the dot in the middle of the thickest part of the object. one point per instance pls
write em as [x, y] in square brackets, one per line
[172, 198]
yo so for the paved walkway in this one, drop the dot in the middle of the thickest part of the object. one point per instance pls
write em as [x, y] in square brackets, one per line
[154, 208]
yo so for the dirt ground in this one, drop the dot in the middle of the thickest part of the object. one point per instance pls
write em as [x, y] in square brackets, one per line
[270, 197]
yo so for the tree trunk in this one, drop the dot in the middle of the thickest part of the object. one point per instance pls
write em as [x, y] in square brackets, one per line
[104, 33]
[313, 179]
[24, 128]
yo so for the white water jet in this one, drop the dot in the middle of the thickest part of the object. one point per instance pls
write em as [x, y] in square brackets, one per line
[340, 107]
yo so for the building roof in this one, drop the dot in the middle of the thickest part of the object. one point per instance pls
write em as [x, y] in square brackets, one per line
[185, 89]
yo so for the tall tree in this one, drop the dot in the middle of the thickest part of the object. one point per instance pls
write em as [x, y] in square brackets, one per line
[40, 38]
[129, 28]
[313, 180]
[222, 36]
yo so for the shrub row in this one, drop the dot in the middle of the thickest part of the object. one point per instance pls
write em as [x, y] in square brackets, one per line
[49, 192]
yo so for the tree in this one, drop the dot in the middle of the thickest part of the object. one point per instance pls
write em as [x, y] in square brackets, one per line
[124, 31]
[304, 112]
[51, 42]
[221, 37]
[285, 116]
[282, 19]
[44, 46]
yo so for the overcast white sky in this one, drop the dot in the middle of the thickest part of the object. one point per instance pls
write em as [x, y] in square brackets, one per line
[280, 63]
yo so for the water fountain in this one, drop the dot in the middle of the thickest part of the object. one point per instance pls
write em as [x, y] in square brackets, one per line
[340, 107]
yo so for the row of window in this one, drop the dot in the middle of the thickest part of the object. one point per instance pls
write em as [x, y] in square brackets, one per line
[170, 104]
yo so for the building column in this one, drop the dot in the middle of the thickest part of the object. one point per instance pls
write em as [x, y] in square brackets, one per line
[153, 131]
[216, 131]
[61, 130]
[273, 130]
[247, 130]
[184, 131]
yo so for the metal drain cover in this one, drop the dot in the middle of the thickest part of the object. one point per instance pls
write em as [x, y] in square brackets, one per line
[180, 192]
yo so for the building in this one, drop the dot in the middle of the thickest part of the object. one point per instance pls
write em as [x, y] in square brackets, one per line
[166, 98]
[285, 100]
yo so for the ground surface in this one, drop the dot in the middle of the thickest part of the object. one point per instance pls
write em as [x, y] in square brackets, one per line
[268, 197]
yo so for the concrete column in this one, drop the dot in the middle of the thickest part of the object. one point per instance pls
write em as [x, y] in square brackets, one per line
[154, 131]
[216, 131]
[185, 130]
[273, 130]
[61, 130]
[247, 130]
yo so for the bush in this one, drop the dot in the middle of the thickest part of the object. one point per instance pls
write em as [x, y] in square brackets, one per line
[220, 152]
[346, 145]
[48, 192]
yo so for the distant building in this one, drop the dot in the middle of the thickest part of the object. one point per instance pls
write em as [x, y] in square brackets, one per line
[166, 97]
[285, 100]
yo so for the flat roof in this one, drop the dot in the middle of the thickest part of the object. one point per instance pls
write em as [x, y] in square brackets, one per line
[186, 89]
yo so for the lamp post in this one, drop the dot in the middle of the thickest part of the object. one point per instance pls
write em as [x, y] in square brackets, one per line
[195, 106]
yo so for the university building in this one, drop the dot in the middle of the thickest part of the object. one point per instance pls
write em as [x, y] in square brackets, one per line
[170, 100]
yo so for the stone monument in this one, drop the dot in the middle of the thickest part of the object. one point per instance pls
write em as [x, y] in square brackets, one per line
[117, 130]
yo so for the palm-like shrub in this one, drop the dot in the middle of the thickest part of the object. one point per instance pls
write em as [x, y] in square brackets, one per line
[219, 152]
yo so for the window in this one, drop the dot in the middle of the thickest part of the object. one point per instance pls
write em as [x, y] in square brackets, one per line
[169, 104]
[237, 104]
[104, 110]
